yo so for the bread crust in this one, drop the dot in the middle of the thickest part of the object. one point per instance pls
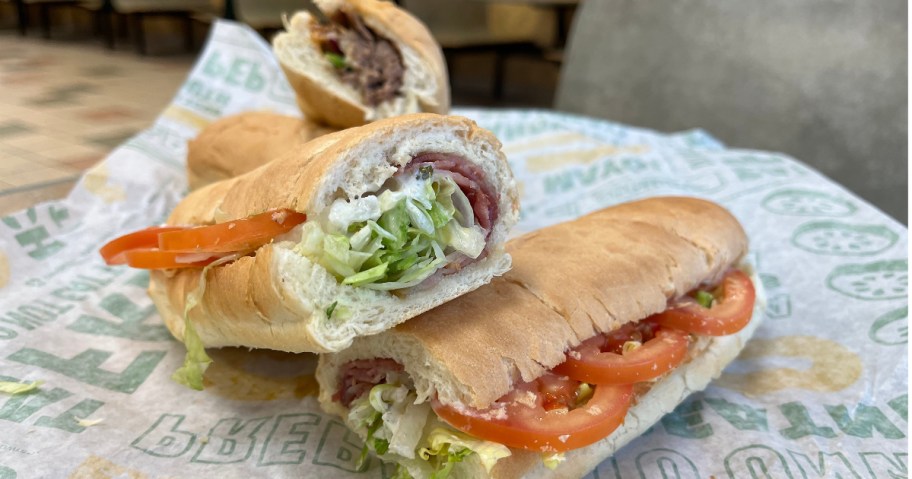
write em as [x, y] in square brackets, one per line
[236, 144]
[263, 300]
[472, 349]
[568, 282]
[324, 101]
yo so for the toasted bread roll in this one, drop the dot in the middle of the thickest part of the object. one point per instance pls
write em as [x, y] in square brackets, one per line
[374, 60]
[239, 143]
[569, 282]
[291, 294]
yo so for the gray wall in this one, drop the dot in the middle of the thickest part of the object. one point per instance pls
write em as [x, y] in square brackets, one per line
[821, 80]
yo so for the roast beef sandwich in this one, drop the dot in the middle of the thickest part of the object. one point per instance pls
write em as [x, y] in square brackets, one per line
[239, 143]
[344, 236]
[603, 325]
[354, 61]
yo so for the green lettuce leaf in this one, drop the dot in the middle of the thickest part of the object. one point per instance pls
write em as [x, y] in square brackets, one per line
[195, 362]
[9, 387]
[450, 441]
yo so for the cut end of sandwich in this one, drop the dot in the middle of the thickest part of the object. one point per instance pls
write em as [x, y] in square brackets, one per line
[402, 215]
[372, 61]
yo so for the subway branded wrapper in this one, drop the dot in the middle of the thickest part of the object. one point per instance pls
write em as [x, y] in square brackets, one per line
[821, 391]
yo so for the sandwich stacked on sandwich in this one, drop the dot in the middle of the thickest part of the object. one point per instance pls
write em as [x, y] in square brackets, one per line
[354, 61]
[240, 143]
[603, 325]
[347, 235]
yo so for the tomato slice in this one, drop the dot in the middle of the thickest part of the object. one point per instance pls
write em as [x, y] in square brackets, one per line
[599, 361]
[541, 415]
[232, 236]
[114, 251]
[730, 312]
[154, 258]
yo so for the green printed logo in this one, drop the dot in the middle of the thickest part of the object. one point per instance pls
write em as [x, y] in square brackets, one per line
[665, 463]
[290, 434]
[758, 462]
[131, 325]
[34, 237]
[85, 367]
[231, 440]
[164, 439]
[20, 407]
[807, 203]
[879, 462]
[842, 239]
[345, 457]
[827, 465]
[236, 71]
[871, 281]
[7, 473]
[687, 421]
[891, 328]
[778, 305]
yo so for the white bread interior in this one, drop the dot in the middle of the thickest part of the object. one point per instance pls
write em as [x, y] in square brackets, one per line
[323, 97]
[276, 298]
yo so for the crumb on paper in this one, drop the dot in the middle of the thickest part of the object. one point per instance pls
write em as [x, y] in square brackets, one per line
[86, 422]
[204, 440]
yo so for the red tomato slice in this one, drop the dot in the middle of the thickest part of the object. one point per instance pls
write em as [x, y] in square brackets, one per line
[114, 251]
[732, 309]
[541, 415]
[232, 236]
[594, 361]
[153, 258]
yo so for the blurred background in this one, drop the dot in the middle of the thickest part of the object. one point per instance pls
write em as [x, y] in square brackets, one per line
[822, 80]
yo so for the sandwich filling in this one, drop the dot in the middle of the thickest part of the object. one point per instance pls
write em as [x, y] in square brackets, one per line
[577, 403]
[361, 58]
[435, 214]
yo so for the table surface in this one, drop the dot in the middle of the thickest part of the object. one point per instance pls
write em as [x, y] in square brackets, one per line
[825, 377]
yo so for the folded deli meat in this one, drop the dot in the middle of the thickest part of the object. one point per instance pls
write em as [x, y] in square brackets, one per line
[362, 60]
[347, 235]
[549, 369]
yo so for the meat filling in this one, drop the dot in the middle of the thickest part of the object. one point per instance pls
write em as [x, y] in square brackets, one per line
[358, 377]
[363, 59]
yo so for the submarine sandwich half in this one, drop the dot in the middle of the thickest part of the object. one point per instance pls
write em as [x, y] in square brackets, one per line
[603, 325]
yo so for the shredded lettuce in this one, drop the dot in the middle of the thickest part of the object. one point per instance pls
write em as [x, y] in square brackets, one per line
[196, 361]
[9, 387]
[705, 298]
[553, 460]
[398, 238]
[454, 445]
[392, 423]
[337, 61]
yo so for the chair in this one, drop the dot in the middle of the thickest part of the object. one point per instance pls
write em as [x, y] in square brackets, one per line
[820, 80]
[138, 10]
[467, 26]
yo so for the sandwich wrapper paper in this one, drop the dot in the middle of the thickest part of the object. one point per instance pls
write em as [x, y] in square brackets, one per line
[820, 392]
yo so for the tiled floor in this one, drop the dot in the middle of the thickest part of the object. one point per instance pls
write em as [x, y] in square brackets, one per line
[64, 105]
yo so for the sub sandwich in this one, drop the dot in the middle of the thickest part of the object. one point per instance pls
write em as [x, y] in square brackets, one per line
[347, 235]
[354, 61]
[603, 325]
[240, 143]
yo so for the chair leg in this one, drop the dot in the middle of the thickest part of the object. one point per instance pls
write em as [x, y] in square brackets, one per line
[500, 62]
[44, 16]
[22, 12]
[140, 36]
[188, 32]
